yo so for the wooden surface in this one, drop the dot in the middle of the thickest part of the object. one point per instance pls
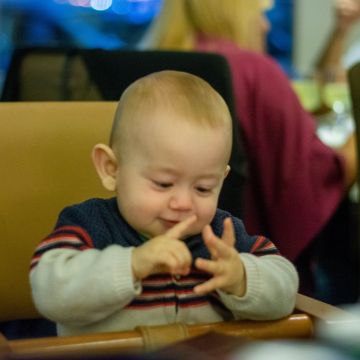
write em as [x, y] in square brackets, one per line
[87, 346]
[299, 325]
[209, 346]
[4, 348]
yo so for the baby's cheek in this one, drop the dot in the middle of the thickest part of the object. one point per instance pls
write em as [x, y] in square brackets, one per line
[206, 214]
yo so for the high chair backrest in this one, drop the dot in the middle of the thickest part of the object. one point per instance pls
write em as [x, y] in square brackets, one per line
[46, 146]
[45, 165]
[55, 74]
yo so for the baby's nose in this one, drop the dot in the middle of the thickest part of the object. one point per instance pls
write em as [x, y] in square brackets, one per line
[181, 200]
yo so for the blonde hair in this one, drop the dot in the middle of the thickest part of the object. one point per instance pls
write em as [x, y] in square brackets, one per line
[180, 21]
[188, 95]
[266, 4]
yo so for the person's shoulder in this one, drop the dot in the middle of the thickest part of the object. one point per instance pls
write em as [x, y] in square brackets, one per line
[218, 220]
[92, 215]
[89, 209]
[250, 61]
[92, 204]
[243, 63]
[230, 49]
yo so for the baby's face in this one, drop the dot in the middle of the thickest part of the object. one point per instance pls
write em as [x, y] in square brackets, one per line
[174, 169]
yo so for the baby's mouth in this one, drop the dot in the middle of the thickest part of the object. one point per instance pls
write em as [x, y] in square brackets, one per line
[169, 223]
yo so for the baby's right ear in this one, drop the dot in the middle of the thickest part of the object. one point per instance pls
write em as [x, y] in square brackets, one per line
[106, 165]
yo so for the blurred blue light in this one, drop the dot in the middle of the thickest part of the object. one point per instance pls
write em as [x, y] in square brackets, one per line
[100, 5]
[84, 3]
[136, 11]
[120, 7]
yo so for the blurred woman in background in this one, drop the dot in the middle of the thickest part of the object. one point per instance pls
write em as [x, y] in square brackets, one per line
[295, 181]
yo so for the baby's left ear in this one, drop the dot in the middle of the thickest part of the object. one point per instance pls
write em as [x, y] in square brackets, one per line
[106, 165]
[227, 170]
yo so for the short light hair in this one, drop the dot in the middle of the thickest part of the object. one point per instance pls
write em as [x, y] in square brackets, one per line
[180, 20]
[187, 95]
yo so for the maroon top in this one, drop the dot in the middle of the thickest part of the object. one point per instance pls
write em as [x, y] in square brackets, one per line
[295, 181]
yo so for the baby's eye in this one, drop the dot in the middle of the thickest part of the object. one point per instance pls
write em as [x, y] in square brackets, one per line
[203, 190]
[163, 185]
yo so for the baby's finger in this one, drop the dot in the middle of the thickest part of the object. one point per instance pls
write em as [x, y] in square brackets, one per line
[183, 271]
[179, 230]
[210, 238]
[181, 254]
[207, 286]
[223, 250]
[171, 264]
[228, 235]
[209, 266]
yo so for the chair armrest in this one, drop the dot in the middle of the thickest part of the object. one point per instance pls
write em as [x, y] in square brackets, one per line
[4, 348]
[318, 309]
[107, 344]
[298, 325]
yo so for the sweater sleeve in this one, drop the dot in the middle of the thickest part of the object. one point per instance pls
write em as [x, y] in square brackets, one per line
[81, 287]
[272, 284]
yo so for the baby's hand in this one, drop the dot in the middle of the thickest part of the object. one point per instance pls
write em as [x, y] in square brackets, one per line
[164, 253]
[225, 264]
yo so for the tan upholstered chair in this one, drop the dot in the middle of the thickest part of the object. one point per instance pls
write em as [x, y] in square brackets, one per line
[45, 164]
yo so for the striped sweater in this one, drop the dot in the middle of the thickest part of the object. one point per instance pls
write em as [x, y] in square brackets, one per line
[81, 277]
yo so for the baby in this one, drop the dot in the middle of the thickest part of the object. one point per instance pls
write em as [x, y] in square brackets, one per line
[160, 251]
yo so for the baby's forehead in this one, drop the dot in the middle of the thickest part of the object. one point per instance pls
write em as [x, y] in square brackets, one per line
[172, 125]
[160, 114]
[170, 120]
[170, 97]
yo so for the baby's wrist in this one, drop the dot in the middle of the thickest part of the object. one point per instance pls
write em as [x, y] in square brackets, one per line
[239, 287]
[134, 266]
